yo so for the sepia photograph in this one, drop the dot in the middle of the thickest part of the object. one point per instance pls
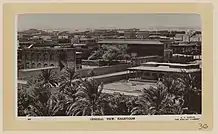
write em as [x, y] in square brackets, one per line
[99, 64]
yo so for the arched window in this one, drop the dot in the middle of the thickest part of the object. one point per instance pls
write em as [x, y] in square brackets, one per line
[45, 65]
[52, 65]
[39, 65]
[33, 65]
[27, 65]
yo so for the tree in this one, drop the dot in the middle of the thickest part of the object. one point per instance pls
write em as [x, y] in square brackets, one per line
[173, 85]
[187, 88]
[96, 54]
[88, 101]
[48, 78]
[157, 101]
[192, 92]
[67, 79]
[117, 104]
[23, 101]
[110, 53]
[44, 102]
[57, 104]
[40, 95]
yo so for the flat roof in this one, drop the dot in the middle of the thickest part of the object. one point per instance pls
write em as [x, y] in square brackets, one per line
[144, 42]
[163, 69]
[184, 45]
[48, 48]
[168, 64]
[182, 55]
[37, 69]
[79, 44]
[147, 57]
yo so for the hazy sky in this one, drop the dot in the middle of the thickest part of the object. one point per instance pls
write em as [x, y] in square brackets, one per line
[82, 21]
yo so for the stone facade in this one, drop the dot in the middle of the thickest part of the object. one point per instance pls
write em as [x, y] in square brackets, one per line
[45, 57]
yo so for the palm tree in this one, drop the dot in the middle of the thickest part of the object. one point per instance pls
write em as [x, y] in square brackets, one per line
[57, 104]
[118, 104]
[88, 100]
[192, 92]
[155, 98]
[173, 85]
[40, 95]
[157, 101]
[67, 80]
[48, 79]
[23, 101]
[45, 103]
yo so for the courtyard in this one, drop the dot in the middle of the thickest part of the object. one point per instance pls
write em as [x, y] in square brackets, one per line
[127, 87]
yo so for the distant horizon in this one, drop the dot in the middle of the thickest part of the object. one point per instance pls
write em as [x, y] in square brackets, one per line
[86, 29]
[72, 22]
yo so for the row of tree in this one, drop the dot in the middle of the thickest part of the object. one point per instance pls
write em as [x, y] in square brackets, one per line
[110, 53]
[69, 95]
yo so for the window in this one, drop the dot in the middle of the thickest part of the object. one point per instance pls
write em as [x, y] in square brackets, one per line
[39, 65]
[27, 65]
[33, 65]
[52, 65]
[45, 65]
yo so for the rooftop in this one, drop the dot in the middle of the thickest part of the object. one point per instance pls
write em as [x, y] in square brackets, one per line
[144, 42]
[163, 69]
[184, 45]
[48, 48]
[168, 64]
[77, 45]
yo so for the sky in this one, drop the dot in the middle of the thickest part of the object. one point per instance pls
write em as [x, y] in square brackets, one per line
[94, 21]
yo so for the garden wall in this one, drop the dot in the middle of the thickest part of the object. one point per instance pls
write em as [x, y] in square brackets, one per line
[32, 74]
[103, 70]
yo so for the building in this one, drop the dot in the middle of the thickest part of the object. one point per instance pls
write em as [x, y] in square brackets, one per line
[129, 34]
[138, 48]
[140, 60]
[186, 48]
[155, 70]
[45, 57]
[186, 38]
[142, 34]
[196, 38]
[178, 37]
[88, 41]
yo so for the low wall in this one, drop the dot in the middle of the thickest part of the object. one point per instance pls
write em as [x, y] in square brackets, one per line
[125, 75]
[99, 62]
[111, 79]
[103, 70]
[32, 74]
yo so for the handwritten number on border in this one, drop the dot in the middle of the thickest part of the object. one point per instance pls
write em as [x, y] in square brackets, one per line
[203, 126]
